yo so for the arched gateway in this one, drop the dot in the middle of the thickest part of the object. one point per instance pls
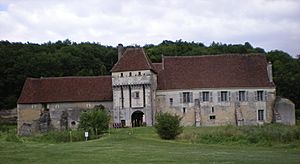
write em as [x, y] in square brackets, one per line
[137, 119]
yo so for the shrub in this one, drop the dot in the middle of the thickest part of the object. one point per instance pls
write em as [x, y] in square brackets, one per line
[168, 126]
[95, 121]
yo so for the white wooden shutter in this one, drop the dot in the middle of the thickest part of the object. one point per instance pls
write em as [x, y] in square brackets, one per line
[247, 96]
[229, 96]
[255, 96]
[219, 96]
[210, 97]
[191, 97]
[200, 97]
[265, 95]
[181, 97]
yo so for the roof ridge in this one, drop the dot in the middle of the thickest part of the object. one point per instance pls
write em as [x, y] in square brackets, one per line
[216, 55]
[69, 77]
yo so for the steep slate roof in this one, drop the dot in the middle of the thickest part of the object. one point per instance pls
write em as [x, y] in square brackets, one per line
[133, 59]
[66, 89]
[215, 71]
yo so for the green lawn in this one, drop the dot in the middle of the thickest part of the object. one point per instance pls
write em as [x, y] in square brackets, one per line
[141, 145]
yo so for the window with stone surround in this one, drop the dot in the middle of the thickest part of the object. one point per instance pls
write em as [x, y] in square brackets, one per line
[171, 101]
[136, 95]
[260, 115]
[186, 97]
[242, 96]
[205, 96]
[260, 95]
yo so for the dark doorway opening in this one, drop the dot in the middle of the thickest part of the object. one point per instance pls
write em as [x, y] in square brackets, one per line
[137, 119]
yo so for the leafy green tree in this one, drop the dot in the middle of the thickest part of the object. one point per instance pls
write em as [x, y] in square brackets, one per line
[95, 120]
[168, 126]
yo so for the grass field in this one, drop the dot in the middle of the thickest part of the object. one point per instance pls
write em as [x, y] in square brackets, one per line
[141, 145]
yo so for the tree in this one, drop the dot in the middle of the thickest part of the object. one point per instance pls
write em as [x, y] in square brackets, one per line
[95, 120]
[168, 126]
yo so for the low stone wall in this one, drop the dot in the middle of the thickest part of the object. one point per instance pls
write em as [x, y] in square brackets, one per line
[8, 116]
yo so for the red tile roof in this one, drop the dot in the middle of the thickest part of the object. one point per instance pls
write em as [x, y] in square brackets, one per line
[216, 71]
[66, 89]
[158, 66]
[133, 59]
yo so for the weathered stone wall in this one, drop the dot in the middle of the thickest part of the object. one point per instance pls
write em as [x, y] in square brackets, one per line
[34, 118]
[8, 116]
[215, 112]
[28, 116]
[128, 84]
[285, 111]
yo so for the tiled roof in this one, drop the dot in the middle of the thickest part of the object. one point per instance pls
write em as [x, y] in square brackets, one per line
[215, 71]
[133, 59]
[66, 89]
[158, 66]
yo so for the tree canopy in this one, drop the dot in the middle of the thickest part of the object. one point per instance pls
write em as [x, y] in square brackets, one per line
[65, 58]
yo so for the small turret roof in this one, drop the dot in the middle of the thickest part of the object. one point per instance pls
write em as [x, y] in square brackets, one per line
[133, 59]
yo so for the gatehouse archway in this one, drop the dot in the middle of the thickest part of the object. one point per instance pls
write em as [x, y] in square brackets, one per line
[137, 119]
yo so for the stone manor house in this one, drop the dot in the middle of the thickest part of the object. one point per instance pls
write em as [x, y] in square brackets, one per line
[204, 90]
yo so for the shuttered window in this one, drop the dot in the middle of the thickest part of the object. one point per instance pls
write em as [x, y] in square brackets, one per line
[186, 97]
[205, 96]
[224, 96]
[260, 96]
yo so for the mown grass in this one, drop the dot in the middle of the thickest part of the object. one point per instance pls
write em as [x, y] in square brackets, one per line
[142, 145]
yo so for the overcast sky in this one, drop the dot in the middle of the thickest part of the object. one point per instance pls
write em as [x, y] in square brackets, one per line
[269, 24]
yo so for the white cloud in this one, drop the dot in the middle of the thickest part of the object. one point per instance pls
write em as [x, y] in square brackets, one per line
[270, 24]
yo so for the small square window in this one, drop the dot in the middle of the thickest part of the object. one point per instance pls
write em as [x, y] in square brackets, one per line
[136, 95]
[183, 110]
[171, 101]
[212, 117]
[139, 74]
[130, 74]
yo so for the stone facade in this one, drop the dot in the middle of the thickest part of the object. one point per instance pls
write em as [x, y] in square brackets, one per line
[134, 91]
[203, 90]
[208, 107]
[36, 118]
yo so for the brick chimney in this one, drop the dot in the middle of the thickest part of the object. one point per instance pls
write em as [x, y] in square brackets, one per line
[120, 51]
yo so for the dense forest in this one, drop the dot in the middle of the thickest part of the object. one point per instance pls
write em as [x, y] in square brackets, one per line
[65, 58]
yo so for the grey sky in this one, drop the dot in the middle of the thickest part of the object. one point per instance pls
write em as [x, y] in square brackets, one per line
[270, 24]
